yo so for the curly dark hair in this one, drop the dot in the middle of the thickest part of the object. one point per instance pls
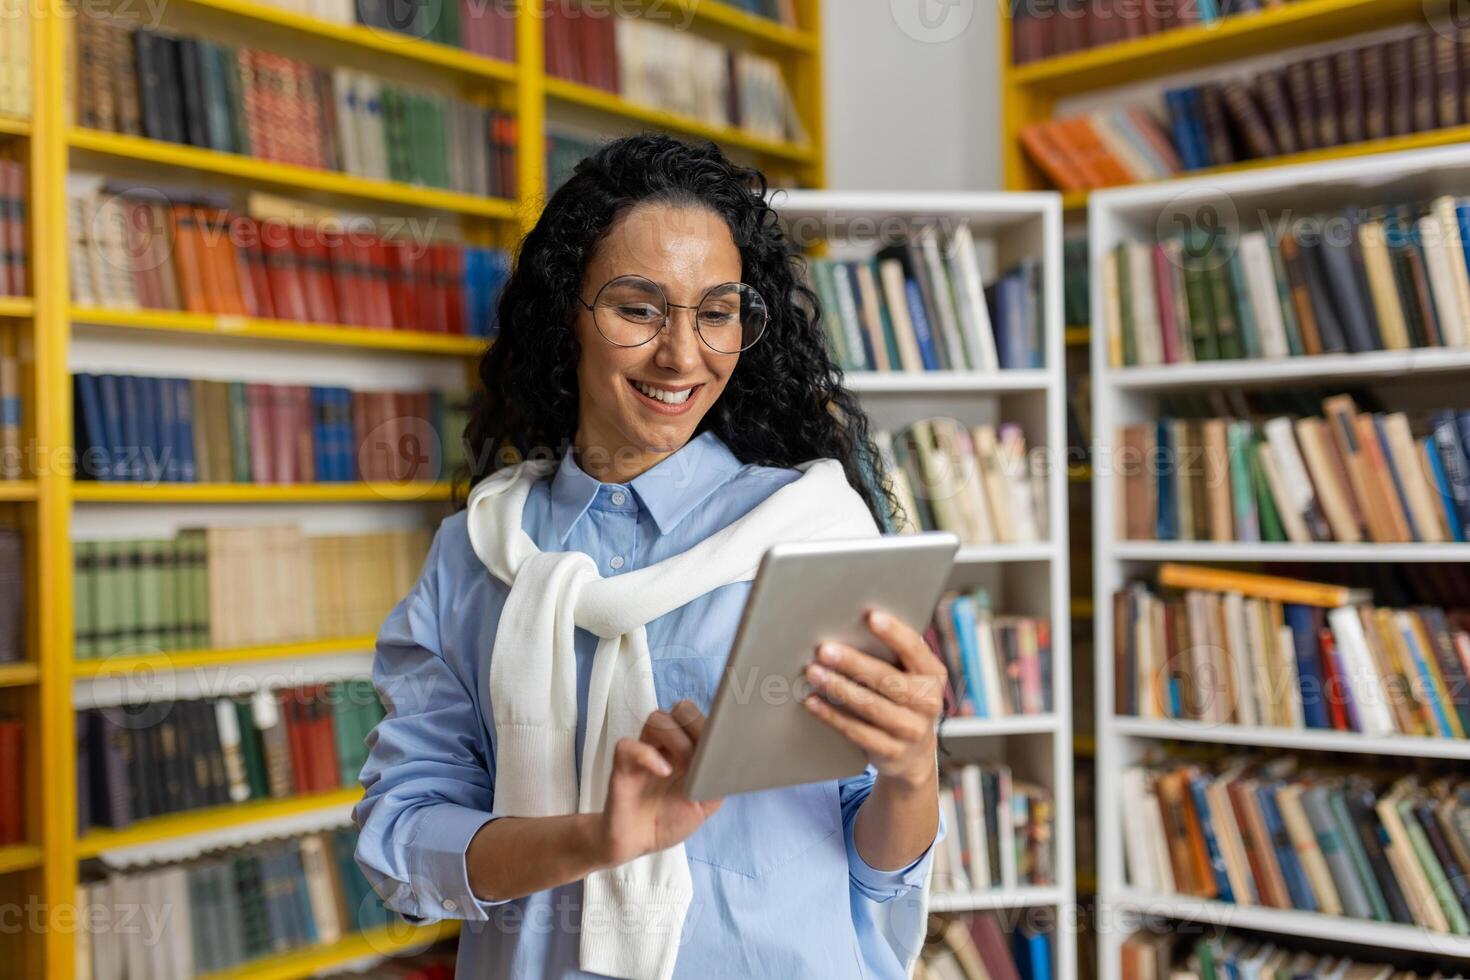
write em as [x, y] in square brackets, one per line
[785, 402]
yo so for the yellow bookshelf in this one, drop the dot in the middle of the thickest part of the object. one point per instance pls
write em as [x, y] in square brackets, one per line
[46, 504]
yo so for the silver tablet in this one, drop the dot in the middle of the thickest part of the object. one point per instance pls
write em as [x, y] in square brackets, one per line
[758, 735]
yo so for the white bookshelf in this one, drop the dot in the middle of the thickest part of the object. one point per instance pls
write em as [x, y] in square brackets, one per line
[1407, 379]
[1029, 579]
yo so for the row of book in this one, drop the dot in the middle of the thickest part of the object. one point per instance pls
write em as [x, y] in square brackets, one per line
[15, 59]
[14, 251]
[1270, 832]
[174, 249]
[12, 782]
[484, 27]
[977, 481]
[224, 587]
[1351, 476]
[1237, 653]
[1047, 28]
[1409, 83]
[1149, 955]
[181, 430]
[998, 665]
[142, 761]
[985, 946]
[261, 104]
[1000, 831]
[1101, 149]
[12, 596]
[654, 64]
[565, 148]
[921, 305]
[226, 908]
[1361, 280]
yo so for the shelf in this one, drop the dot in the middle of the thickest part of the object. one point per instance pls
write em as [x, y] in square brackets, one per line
[959, 382]
[587, 97]
[976, 554]
[1077, 200]
[402, 47]
[1013, 898]
[994, 727]
[250, 493]
[186, 659]
[176, 321]
[13, 126]
[767, 32]
[19, 857]
[1077, 336]
[17, 490]
[1290, 922]
[1310, 739]
[206, 821]
[400, 937]
[17, 306]
[1228, 39]
[1275, 551]
[1261, 372]
[287, 176]
[19, 674]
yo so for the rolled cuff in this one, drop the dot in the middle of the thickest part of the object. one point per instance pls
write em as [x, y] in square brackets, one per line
[438, 857]
[884, 886]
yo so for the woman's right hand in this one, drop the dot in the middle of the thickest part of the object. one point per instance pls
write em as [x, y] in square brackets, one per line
[646, 807]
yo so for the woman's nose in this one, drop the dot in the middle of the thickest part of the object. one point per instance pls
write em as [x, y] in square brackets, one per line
[678, 342]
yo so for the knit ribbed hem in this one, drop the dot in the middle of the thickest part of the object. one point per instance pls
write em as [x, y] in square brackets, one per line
[631, 929]
[531, 757]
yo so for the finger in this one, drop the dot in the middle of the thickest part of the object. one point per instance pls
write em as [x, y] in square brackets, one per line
[688, 716]
[904, 640]
[922, 692]
[633, 756]
[895, 719]
[860, 733]
[662, 732]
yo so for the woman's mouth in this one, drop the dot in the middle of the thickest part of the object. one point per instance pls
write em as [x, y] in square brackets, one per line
[665, 401]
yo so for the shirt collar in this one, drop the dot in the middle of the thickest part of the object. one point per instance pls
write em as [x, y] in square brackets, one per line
[669, 490]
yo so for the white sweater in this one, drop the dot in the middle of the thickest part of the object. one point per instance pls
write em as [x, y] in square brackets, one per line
[632, 915]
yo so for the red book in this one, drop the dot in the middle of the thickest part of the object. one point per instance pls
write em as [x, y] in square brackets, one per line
[404, 312]
[329, 772]
[316, 274]
[259, 301]
[290, 705]
[426, 281]
[1332, 688]
[257, 403]
[380, 274]
[300, 398]
[12, 783]
[346, 285]
[283, 433]
[454, 288]
[283, 269]
[189, 259]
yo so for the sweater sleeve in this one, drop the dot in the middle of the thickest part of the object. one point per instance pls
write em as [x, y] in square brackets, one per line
[428, 778]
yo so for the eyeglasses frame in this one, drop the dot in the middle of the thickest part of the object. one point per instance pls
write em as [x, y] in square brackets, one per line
[668, 312]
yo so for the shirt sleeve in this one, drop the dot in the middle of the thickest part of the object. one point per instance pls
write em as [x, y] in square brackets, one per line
[880, 886]
[428, 782]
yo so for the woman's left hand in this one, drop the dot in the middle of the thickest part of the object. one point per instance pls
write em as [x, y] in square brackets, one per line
[888, 711]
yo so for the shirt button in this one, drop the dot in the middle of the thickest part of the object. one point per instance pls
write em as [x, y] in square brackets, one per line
[449, 905]
[618, 497]
[616, 561]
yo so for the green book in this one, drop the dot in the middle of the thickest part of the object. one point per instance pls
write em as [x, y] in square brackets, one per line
[1245, 316]
[1222, 302]
[821, 275]
[1237, 441]
[218, 121]
[239, 433]
[1348, 833]
[890, 339]
[84, 611]
[126, 579]
[1270, 519]
[1125, 306]
[344, 728]
[1439, 883]
[178, 596]
[1283, 296]
[250, 894]
[1201, 311]
[149, 592]
[106, 606]
[235, 87]
[251, 752]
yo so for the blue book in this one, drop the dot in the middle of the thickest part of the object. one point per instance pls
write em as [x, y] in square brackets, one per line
[1177, 104]
[165, 427]
[1309, 676]
[1197, 786]
[1033, 953]
[110, 390]
[184, 418]
[1456, 464]
[1166, 520]
[320, 449]
[1291, 867]
[1442, 488]
[922, 334]
[131, 445]
[1393, 471]
[1462, 214]
[849, 270]
[95, 458]
[1197, 126]
[962, 611]
[1421, 659]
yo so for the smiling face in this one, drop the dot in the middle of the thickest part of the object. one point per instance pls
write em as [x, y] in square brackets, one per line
[621, 431]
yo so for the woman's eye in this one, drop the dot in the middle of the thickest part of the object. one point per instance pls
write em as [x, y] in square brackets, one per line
[640, 313]
[716, 318]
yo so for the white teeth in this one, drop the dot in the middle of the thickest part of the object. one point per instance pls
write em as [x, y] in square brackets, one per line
[667, 397]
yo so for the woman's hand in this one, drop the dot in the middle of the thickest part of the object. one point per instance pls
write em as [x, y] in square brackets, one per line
[889, 712]
[646, 807]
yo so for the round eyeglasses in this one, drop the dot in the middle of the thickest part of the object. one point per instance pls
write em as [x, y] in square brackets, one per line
[630, 311]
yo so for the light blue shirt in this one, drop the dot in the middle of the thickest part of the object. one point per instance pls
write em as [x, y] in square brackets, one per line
[779, 887]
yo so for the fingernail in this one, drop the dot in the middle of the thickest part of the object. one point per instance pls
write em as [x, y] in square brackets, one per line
[816, 671]
[878, 620]
[829, 653]
[663, 768]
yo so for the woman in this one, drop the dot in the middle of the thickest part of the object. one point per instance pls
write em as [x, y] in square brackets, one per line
[527, 779]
